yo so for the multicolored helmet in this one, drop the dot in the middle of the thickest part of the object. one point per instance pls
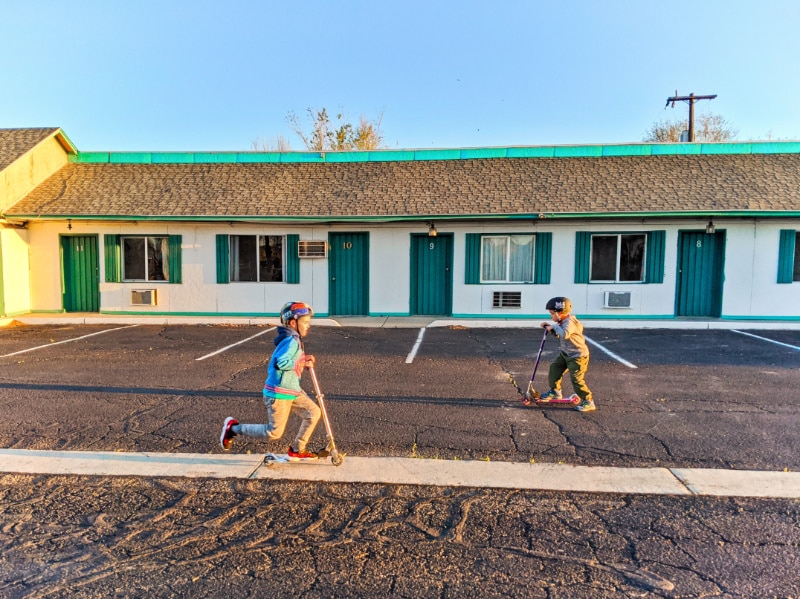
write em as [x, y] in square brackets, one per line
[294, 310]
[559, 304]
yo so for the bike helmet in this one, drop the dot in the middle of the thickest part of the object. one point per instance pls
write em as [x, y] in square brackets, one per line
[559, 304]
[294, 310]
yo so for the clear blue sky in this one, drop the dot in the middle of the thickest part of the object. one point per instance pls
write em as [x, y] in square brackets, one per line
[202, 75]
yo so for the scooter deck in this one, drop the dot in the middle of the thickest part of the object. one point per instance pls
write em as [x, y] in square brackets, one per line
[565, 402]
[283, 458]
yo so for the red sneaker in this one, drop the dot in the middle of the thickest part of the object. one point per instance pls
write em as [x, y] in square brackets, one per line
[227, 435]
[297, 456]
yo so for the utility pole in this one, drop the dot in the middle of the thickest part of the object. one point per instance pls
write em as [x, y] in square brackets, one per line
[691, 99]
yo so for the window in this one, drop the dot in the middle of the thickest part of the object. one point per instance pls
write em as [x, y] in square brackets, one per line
[145, 258]
[507, 258]
[789, 256]
[617, 258]
[257, 258]
[796, 273]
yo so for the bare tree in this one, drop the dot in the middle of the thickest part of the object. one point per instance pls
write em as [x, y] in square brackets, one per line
[274, 144]
[321, 135]
[708, 128]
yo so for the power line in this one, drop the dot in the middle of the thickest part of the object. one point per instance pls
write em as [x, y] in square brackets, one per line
[691, 99]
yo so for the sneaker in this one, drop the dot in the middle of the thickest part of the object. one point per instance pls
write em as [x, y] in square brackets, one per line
[552, 394]
[586, 405]
[226, 438]
[297, 456]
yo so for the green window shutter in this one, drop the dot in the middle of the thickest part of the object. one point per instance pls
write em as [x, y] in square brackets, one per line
[175, 259]
[786, 255]
[292, 259]
[223, 260]
[544, 251]
[583, 250]
[472, 259]
[112, 256]
[656, 245]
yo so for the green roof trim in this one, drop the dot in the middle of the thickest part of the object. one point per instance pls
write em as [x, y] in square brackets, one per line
[589, 151]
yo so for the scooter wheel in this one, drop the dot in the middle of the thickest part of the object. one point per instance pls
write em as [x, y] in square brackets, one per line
[337, 459]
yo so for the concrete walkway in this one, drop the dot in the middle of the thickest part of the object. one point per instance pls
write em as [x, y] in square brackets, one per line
[411, 471]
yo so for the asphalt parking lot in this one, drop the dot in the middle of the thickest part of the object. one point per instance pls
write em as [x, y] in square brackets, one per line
[676, 398]
[716, 399]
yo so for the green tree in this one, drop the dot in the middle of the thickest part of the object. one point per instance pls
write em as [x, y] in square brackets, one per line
[707, 127]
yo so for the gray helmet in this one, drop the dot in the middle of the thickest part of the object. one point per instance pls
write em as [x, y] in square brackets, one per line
[559, 304]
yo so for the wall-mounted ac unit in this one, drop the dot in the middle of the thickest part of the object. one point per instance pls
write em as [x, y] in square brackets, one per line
[143, 297]
[507, 299]
[617, 299]
[312, 249]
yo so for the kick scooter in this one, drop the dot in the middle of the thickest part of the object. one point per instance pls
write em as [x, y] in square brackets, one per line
[532, 396]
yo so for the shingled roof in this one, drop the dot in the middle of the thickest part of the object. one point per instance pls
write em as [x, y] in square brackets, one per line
[15, 142]
[623, 185]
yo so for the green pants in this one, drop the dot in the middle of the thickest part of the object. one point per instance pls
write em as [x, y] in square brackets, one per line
[577, 371]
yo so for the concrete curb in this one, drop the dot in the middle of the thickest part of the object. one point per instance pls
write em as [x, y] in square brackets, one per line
[412, 471]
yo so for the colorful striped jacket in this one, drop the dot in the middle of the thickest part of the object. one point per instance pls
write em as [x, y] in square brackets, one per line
[285, 366]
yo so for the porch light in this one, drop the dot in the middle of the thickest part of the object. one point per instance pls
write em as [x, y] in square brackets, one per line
[710, 228]
[432, 232]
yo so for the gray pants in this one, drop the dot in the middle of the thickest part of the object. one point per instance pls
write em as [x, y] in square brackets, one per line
[278, 411]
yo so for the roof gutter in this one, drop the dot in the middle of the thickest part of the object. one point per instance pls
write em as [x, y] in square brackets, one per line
[540, 216]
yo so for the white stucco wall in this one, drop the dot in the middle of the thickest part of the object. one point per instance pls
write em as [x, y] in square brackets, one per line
[750, 288]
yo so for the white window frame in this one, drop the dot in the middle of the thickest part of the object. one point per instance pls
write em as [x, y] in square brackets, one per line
[617, 266]
[507, 267]
[165, 258]
[233, 259]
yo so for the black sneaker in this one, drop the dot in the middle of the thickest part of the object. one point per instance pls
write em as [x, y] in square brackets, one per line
[226, 438]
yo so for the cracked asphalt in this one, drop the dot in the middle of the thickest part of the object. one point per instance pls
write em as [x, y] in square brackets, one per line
[713, 399]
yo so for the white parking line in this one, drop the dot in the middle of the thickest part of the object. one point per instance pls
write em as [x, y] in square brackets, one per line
[67, 341]
[410, 357]
[610, 353]
[219, 351]
[766, 339]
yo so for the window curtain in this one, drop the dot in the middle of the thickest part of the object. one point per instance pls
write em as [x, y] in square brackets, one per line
[520, 263]
[494, 258]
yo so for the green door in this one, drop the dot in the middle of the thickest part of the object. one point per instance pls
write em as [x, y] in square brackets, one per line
[348, 271]
[701, 268]
[79, 271]
[431, 274]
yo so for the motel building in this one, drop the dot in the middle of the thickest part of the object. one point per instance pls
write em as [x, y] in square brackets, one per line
[637, 232]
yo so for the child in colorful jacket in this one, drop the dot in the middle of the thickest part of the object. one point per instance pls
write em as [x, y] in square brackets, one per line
[282, 391]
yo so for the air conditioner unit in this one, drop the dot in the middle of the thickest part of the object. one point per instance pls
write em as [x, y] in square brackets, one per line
[312, 249]
[143, 297]
[617, 299]
[507, 299]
